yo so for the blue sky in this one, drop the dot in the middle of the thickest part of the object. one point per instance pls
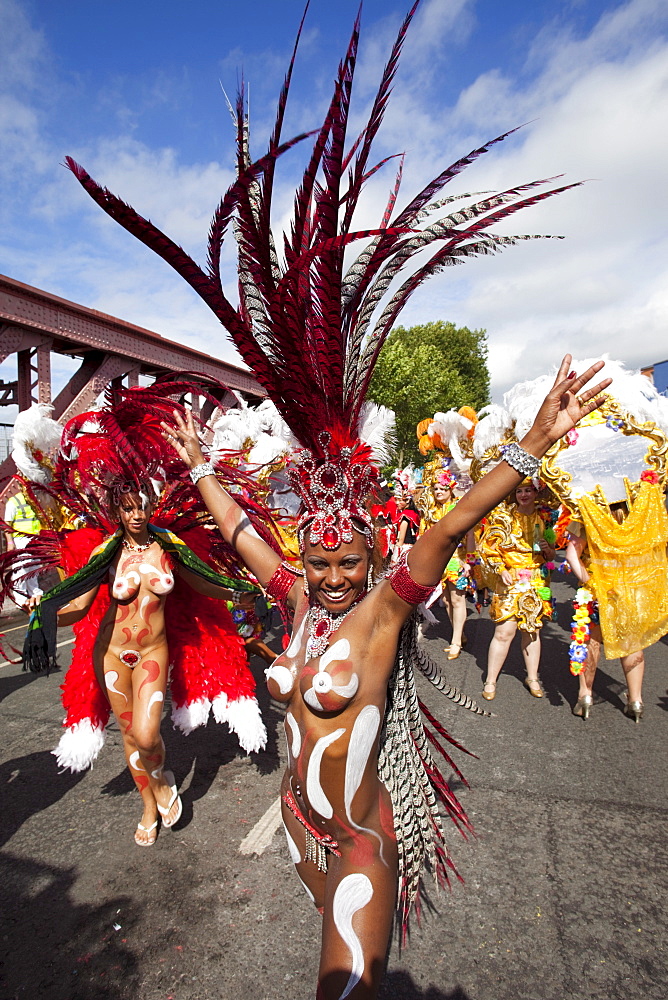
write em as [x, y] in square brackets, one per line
[133, 91]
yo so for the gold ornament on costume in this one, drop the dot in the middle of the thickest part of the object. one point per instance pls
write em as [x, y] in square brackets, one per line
[605, 457]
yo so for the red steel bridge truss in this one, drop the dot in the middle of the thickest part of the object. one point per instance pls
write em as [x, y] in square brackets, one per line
[35, 324]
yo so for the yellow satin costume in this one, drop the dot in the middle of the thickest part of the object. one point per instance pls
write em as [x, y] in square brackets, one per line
[509, 542]
[454, 571]
[628, 570]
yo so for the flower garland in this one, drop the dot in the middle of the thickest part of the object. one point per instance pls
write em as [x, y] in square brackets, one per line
[583, 610]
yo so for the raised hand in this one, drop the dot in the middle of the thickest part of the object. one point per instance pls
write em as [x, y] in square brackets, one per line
[184, 440]
[564, 405]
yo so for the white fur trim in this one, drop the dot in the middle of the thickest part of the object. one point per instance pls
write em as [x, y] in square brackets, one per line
[243, 717]
[189, 717]
[79, 746]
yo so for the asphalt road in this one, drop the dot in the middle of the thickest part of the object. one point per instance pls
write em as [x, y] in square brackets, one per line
[565, 885]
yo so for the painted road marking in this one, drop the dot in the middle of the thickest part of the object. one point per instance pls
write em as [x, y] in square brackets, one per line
[262, 834]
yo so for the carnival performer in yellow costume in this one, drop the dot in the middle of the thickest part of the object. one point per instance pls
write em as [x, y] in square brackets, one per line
[618, 554]
[513, 545]
[437, 499]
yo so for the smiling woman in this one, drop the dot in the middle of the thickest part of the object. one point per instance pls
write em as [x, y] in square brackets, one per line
[139, 598]
[362, 794]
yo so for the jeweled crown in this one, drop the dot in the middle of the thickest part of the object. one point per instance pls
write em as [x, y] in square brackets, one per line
[333, 491]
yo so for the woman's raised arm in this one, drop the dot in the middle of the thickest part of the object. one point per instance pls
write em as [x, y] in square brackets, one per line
[559, 413]
[232, 521]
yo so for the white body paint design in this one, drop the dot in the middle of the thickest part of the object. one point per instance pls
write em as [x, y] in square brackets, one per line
[292, 847]
[157, 773]
[322, 682]
[340, 650]
[155, 697]
[352, 894]
[125, 586]
[134, 761]
[296, 640]
[362, 739]
[142, 606]
[295, 735]
[316, 796]
[110, 679]
[165, 582]
[282, 676]
[361, 743]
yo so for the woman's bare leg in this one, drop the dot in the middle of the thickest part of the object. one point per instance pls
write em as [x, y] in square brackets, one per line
[357, 923]
[498, 650]
[633, 666]
[457, 612]
[149, 683]
[586, 676]
[531, 652]
[116, 678]
[309, 875]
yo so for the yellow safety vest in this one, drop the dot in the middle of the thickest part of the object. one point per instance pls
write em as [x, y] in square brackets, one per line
[21, 516]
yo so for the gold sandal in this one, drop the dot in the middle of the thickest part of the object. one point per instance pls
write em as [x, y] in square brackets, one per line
[489, 695]
[536, 692]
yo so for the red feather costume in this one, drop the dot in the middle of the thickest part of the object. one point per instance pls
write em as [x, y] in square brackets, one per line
[209, 666]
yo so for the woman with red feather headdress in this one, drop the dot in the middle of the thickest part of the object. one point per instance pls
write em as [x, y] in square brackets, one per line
[361, 794]
[139, 597]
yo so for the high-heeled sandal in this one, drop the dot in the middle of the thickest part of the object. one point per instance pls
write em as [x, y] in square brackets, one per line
[453, 651]
[582, 706]
[634, 710]
[537, 691]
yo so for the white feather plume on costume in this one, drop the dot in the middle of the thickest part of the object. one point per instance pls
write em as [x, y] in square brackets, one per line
[376, 429]
[262, 426]
[35, 431]
[632, 390]
[79, 746]
[493, 425]
[267, 448]
[452, 428]
[597, 458]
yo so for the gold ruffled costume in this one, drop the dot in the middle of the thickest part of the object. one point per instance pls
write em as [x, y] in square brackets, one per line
[629, 571]
[507, 543]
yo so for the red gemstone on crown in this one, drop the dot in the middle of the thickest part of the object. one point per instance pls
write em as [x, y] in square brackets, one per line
[330, 538]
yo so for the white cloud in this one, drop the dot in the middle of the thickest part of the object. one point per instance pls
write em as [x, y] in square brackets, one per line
[600, 103]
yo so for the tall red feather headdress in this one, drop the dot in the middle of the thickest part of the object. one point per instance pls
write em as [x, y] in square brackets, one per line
[309, 325]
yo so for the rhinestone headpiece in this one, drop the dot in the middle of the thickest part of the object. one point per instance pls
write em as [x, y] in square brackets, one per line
[333, 491]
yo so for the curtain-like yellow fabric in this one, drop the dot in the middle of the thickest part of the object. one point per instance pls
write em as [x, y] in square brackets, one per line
[630, 571]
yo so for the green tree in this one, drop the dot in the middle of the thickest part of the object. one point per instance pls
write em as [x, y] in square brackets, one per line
[422, 369]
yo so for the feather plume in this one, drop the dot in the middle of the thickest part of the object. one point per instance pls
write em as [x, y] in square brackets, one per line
[310, 330]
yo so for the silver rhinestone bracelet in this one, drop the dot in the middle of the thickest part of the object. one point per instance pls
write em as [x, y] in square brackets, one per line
[520, 460]
[205, 469]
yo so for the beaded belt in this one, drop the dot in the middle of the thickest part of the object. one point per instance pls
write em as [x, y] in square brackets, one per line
[317, 843]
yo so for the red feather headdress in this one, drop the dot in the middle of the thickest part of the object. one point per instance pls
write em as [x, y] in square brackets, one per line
[309, 326]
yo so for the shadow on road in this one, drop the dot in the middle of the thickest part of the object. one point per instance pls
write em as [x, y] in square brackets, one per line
[401, 986]
[9, 683]
[29, 785]
[204, 751]
[52, 947]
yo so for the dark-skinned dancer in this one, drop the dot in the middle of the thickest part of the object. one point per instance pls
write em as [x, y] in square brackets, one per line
[332, 793]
